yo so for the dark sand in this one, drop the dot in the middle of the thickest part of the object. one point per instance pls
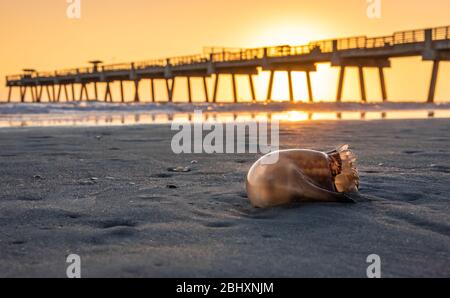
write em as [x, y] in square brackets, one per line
[128, 223]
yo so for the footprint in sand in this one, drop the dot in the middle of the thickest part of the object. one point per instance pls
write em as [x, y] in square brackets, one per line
[113, 223]
[162, 175]
[74, 215]
[423, 223]
[411, 152]
[243, 195]
[267, 236]
[122, 232]
[371, 172]
[40, 137]
[441, 169]
[262, 215]
[218, 224]
[8, 155]
[151, 198]
[411, 196]
[241, 161]
[29, 198]
[18, 242]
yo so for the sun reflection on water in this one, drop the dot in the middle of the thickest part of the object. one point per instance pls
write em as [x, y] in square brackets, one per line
[147, 118]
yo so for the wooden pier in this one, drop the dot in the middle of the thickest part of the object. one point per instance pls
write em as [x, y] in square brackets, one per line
[360, 52]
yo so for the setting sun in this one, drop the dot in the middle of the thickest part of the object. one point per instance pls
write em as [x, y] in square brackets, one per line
[279, 33]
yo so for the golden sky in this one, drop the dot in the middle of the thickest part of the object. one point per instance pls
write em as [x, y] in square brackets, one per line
[38, 34]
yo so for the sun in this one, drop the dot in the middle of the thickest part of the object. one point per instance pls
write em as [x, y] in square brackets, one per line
[283, 34]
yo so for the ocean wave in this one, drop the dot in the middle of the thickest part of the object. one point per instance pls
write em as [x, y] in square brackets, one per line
[87, 107]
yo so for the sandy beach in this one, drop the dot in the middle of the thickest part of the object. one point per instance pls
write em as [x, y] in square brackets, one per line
[105, 193]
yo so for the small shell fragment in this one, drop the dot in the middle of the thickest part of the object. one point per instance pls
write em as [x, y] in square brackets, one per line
[179, 169]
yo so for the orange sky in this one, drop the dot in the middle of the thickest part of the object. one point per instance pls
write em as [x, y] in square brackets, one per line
[39, 35]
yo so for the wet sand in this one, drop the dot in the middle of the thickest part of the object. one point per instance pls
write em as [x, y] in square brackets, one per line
[105, 193]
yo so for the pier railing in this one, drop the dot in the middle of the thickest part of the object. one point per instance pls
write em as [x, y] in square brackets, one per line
[213, 54]
[190, 59]
[398, 38]
[66, 72]
[150, 63]
[14, 77]
[441, 33]
[237, 55]
[117, 67]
